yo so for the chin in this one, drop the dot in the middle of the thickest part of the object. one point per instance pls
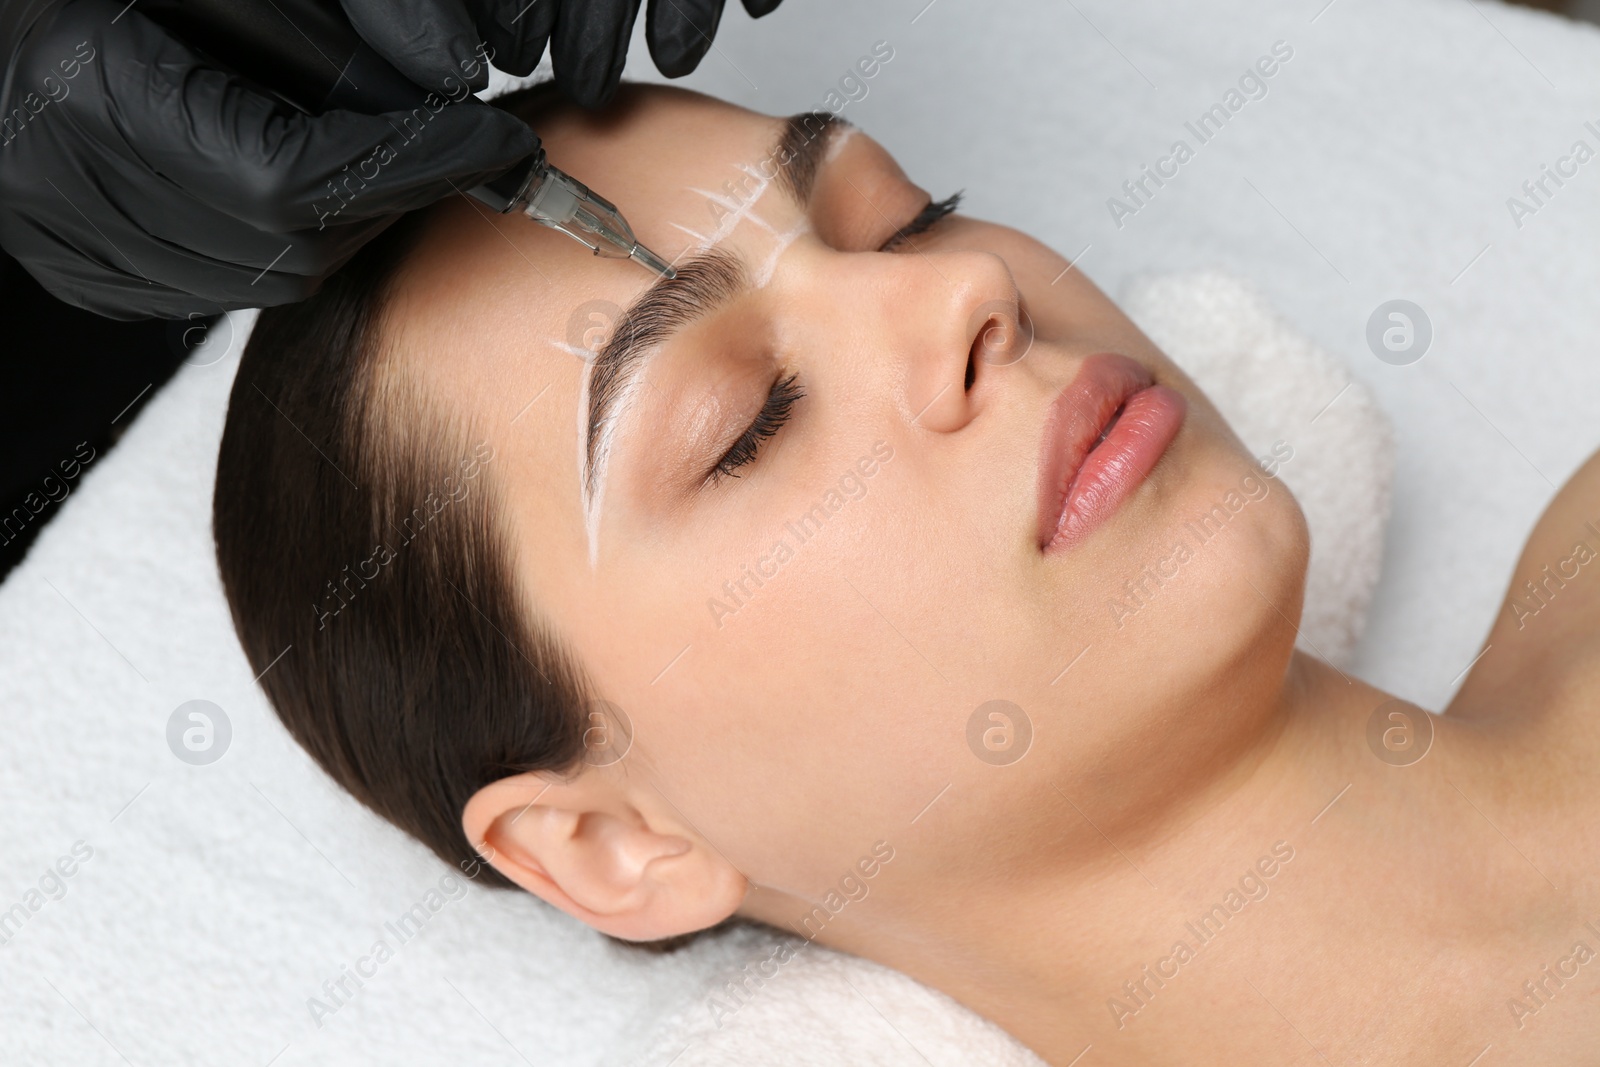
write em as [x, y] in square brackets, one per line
[1259, 590]
[1218, 579]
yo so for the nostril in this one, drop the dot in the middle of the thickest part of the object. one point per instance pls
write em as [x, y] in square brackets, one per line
[987, 345]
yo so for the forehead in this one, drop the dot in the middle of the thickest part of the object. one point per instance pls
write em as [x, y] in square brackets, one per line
[494, 316]
[675, 163]
[653, 143]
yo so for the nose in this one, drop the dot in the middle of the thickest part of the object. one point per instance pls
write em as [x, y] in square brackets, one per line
[953, 318]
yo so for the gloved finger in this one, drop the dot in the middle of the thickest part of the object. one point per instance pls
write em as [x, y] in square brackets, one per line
[429, 41]
[158, 278]
[589, 46]
[273, 276]
[230, 260]
[680, 32]
[244, 154]
[114, 294]
[143, 249]
[516, 31]
[757, 8]
[76, 274]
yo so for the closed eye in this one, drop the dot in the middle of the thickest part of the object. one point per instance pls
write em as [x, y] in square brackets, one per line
[773, 414]
[925, 220]
[781, 398]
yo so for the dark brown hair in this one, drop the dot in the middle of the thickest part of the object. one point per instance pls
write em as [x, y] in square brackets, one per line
[369, 579]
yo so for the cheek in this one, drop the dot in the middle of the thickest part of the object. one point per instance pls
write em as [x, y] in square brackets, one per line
[809, 706]
[1183, 596]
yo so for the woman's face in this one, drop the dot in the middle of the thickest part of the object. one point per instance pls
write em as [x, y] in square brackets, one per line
[800, 641]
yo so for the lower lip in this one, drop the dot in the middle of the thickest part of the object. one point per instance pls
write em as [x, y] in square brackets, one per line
[1117, 466]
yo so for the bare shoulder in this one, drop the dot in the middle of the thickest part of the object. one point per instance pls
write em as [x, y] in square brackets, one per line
[1543, 656]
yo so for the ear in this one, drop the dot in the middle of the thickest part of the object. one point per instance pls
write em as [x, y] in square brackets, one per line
[616, 856]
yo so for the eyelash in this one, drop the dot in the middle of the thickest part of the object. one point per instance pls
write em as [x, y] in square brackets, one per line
[784, 393]
[773, 414]
[926, 219]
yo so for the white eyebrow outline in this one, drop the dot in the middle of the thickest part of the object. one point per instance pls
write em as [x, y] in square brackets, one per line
[802, 145]
[594, 478]
[734, 211]
[612, 377]
[706, 281]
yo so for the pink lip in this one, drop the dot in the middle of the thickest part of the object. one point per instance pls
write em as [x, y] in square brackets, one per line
[1081, 483]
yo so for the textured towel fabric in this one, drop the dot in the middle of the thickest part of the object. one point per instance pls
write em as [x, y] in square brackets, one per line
[219, 901]
[817, 1008]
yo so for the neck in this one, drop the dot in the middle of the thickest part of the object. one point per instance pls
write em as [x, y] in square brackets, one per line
[1205, 921]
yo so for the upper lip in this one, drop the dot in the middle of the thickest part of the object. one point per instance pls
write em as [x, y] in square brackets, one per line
[1073, 424]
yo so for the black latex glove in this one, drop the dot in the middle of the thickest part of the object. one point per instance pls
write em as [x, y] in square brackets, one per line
[137, 180]
[588, 39]
[679, 32]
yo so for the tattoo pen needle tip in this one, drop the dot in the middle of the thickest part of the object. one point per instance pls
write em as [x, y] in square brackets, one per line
[646, 258]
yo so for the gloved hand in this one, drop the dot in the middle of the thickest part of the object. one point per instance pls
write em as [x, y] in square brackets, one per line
[426, 39]
[137, 179]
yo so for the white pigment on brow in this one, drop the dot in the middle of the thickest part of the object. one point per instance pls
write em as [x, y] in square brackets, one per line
[585, 354]
[841, 135]
[602, 455]
[763, 272]
[735, 212]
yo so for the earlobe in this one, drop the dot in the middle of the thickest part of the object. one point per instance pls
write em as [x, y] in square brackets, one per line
[611, 856]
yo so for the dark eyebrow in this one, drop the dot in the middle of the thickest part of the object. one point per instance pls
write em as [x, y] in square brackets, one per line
[705, 281]
[801, 148]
